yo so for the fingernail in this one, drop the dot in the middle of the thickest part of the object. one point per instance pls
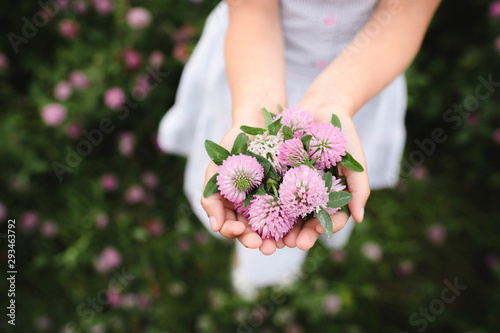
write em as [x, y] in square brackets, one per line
[362, 214]
[213, 223]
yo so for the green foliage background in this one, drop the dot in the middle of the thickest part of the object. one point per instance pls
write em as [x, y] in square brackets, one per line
[184, 272]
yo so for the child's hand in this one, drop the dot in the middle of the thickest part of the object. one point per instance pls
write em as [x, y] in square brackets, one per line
[222, 216]
[304, 235]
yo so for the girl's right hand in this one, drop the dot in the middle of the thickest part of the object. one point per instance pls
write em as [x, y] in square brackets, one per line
[223, 218]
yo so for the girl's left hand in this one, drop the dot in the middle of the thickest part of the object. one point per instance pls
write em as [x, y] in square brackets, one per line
[304, 235]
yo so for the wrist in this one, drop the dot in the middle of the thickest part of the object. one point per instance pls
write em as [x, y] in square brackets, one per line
[248, 116]
[322, 105]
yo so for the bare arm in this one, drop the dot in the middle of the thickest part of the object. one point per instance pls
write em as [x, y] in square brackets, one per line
[255, 58]
[378, 54]
[256, 72]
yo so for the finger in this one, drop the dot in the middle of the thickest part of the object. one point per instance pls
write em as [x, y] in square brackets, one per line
[213, 205]
[249, 238]
[232, 229]
[339, 219]
[268, 246]
[357, 182]
[358, 185]
[280, 244]
[308, 235]
[291, 238]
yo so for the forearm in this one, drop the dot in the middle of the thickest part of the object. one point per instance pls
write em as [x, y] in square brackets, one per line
[382, 50]
[255, 58]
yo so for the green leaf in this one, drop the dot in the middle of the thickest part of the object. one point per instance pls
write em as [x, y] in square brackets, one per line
[263, 161]
[350, 163]
[268, 117]
[306, 140]
[326, 222]
[240, 144]
[327, 177]
[338, 199]
[345, 209]
[287, 132]
[217, 153]
[268, 167]
[260, 190]
[336, 121]
[211, 187]
[274, 127]
[280, 107]
[252, 130]
[247, 200]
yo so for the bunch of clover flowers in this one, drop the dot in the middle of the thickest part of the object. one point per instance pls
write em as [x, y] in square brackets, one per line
[285, 172]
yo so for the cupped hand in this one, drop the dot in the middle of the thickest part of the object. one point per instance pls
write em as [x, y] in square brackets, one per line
[305, 234]
[224, 219]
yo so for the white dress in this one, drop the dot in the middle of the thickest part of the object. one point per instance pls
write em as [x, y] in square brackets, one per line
[315, 32]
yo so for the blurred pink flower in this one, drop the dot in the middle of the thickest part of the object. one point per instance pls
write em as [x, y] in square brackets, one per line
[109, 182]
[68, 28]
[114, 297]
[184, 245]
[259, 314]
[491, 261]
[126, 143]
[406, 268]
[372, 251]
[99, 328]
[149, 200]
[49, 229]
[134, 194]
[127, 300]
[497, 44]
[79, 7]
[29, 221]
[79, 80]
[53, 114]
[142, 87]
[63, 90]
[180, 52]
[155, 228]
[3, 212]
[132, 59]
[436, 234]
[143, 301]
[138, 17]
[183, 33]
[62, 3]
[4, 61]
[494, 9]
[109, 258]
[46, 14]
[74, 131]
[132, 300]
[419, 172]
[150, 180]
[293, 328]
[114, 97]
[102, 221]
[201, 237]
[496, 137]
[473, 119]
[156, 59]
[338, 255]
[43, 323]
[103, 7]
[332, 304]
